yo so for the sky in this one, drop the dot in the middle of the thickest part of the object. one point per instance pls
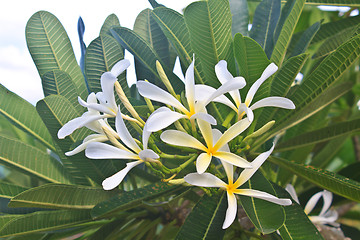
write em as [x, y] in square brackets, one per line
[17, 70]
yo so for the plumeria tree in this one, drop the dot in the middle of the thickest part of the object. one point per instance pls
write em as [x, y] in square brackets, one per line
[260, 117]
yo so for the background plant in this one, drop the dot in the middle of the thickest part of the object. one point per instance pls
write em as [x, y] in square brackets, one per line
[47, 195]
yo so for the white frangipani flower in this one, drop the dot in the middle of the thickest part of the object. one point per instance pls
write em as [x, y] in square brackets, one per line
[358, 104]
[224, 76]
[195, 110]
[232, 188]
[212, 148]
[326, 215]
[107, 102]
[97, 150]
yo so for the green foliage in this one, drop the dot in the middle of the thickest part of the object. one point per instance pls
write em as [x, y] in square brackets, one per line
[47, 194]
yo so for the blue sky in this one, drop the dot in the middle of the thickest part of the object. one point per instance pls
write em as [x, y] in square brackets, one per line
[17, 70]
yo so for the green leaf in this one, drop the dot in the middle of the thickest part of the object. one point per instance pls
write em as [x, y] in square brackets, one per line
[240, 17]
[335, 41]
[261, 212]
[31, 160]
[58, 82]
[333, 182]
[57, 196]
[286, 33]
[251, 59]
[101, 55]
[148, 29]
[350, 3]
[8, 190]
[330, 29]
[297, 225]
[205, 219]
[23, 115]
[110, 21]
[263, 27]
[132, 199]
[209, 24]
[51, 49]
[320, 135]
[305, 39]
[4, 219]
[143, 52]
[173, 25]
[44, 221]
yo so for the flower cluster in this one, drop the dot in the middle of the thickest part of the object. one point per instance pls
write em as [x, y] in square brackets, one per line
[184, 122]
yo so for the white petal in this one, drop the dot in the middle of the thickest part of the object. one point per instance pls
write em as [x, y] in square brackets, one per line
[162, 119]
[232, 132]
[148, 155]
[204, 116]
[155, 93]
[98, 107]
[291, 190]
[327, 197]
[206, 132]
[179, 138]
[119, 67]
[231, 210]
[76, 123]
[248, 111]
[270, 70]
[146, 133]
[233, 159]
[89, 139]
[331, 215]
[312, 202]
[98, 150]
[246, 174]
[203, 92]
[224, 75]
[204, 180]
[264, 196]
[124, 134]
[190, 84]
[113, 181]
[107, 81]
[203, 162]
[229, 170]
[274, 102]
[227, 87]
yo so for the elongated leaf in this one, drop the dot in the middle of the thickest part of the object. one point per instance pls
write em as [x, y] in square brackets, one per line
[335, 41]
[57, 196]
[285, 11]
[173, 25]
[8, 190]
[320, 80]
[240, 17]
[209, 24]
[205, 219]
[332, 28]
[58, 82]
[4, 219]
[143, 52]
[51, 49]
[261, 212]
[305, 39]
[286, 32]
[56, 111]
[44, 221]
[350, 3]
[31, 160]
[327, 180]
[147, 28]
[251, 59]
[263, 27]
[101, 56]
[132, 199]
[297, 225]
[320, 135]
[110, 21]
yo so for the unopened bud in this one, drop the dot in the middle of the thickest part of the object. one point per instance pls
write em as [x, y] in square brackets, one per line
[164, 78]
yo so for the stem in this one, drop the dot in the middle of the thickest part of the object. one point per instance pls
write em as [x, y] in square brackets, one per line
[184, 165]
